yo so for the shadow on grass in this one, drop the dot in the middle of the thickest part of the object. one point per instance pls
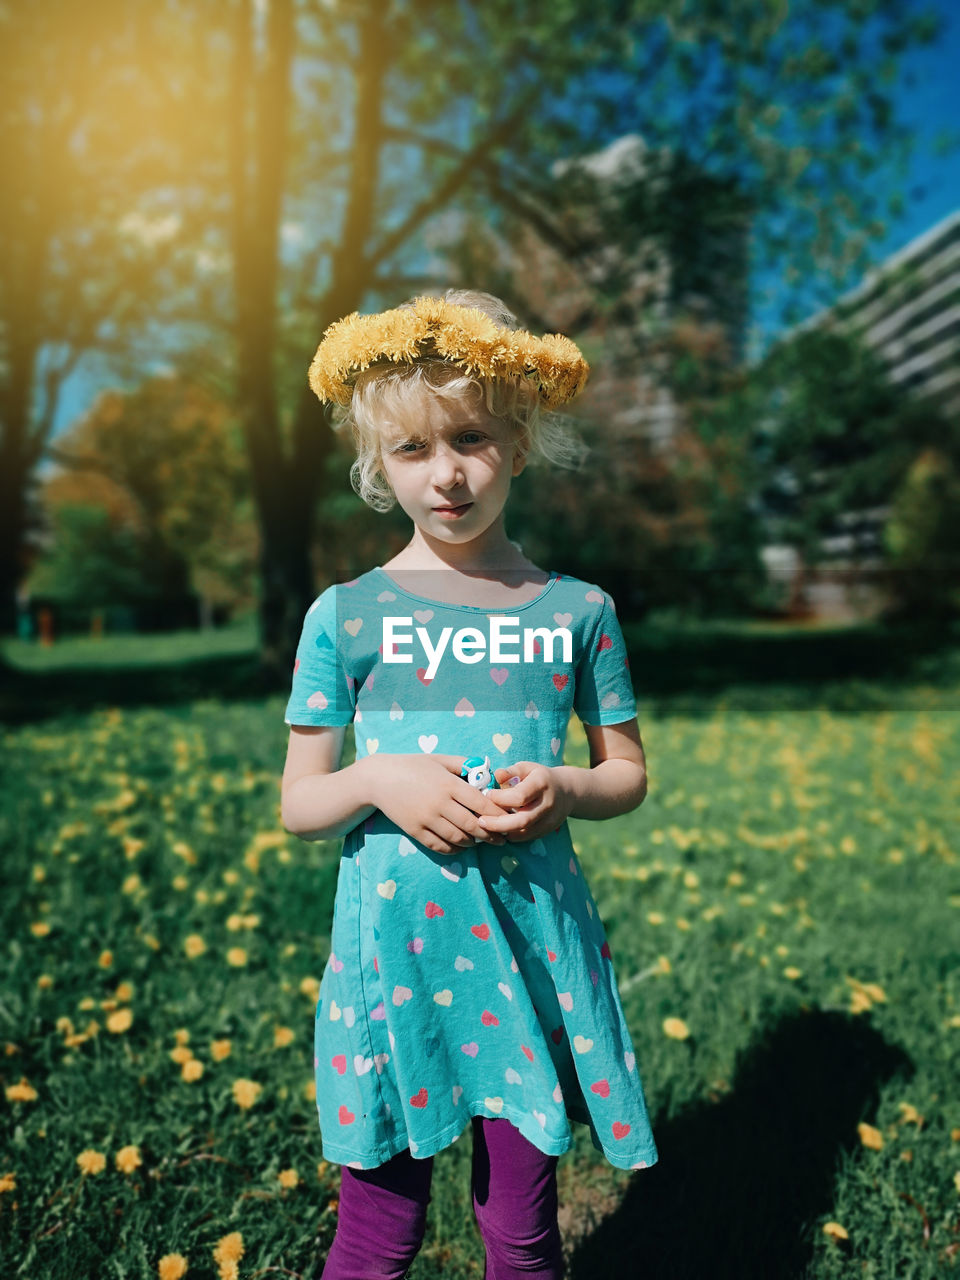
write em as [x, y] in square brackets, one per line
[741, 1182]
[681, 670]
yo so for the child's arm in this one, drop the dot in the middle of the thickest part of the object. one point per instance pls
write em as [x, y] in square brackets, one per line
[424, 795]
[615, 783]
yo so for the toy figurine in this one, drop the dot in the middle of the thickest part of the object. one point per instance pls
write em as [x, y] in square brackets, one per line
[479, 773]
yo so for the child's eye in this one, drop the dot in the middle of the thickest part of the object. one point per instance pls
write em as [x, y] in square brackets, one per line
[406, 446]
[471, 437]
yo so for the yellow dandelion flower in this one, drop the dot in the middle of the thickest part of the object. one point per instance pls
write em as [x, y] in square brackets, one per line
[22, 1092]
[194, 945]
[105, 960]
[183, 850]
[182, 1035]
[180, 883]
[91, 1162]
[870, 1137]
[288, 1178]
[65, 1026]
[835, 1231]
[192, 1070]
[234, 922]
[8, 1182]
[792, 973]
[860, 1002]
[131, 884]
[310, 987]
[124, 992]
[45, 981]
[229, 1248]
[663, 965]
[250, 921]
[310, 1091]
[654, 917]
[132, 846]
[955, 1135]
[322, 1168]
[39, 928]
[172, 1266]
[128, 1159]
[246, 1092]
[848, 845]
[675, 1028]
[910, 1114]
[875, 992]
[237, 957]
[152, 941]
[230, 876]
[120, 1021]
[282, 1036]
[220, 1049]
[181, 1054]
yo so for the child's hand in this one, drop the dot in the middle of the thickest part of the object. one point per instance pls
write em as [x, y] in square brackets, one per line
[541, 801]
[426, 797]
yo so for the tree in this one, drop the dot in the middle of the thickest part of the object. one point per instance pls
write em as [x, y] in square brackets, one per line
[162, 468]
[353, 125]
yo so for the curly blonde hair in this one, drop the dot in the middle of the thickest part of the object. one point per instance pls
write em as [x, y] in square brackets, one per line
[386, 397]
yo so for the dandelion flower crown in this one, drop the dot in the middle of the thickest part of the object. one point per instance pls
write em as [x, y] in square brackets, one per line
[464, 335]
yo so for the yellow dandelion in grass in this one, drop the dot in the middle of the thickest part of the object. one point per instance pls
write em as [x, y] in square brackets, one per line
[870, 1137]
[105, 960]
[675, 1028]
[288, 1178]
[124, 992]
[172, 1266]
[132, 846]
[310, 1091]
[860, 1002]
[909, 1114]
[322, 1168]
[192, 1070]
[22, 1092]
[45, 981]
[228, 1253]
[181, 1054]
[792, 973]
[237, 957]
[835, 1231]
[654, 917]
[182, 1035]
[120, 1021]
[246, 1092]
[956, 1180]
[128, 1159]
[310, 987]
[230, 876]
[152, 941]
[220, 1049]
[8, 1182]
[180, 883]
[955, 1135]
[194, 946]
[91, 1162]
[282, 1036]
[848, 845]
[183, 850]
[131, 884]
[39, 928]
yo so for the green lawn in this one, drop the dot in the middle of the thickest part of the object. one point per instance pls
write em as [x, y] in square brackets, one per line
[789, 891]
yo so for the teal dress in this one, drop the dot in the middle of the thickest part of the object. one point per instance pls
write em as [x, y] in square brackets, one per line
[480, 982]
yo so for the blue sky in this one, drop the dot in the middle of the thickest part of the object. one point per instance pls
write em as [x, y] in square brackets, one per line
[928, 101]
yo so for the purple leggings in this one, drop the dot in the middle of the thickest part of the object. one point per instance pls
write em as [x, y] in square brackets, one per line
[383, 1211]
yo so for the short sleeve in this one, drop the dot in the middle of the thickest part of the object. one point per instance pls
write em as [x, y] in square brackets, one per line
[321, 693]
[604, 693]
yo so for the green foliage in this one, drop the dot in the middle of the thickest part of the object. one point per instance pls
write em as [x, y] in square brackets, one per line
[92, 563]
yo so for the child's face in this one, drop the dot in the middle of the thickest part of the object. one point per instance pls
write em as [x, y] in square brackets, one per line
[451, 471]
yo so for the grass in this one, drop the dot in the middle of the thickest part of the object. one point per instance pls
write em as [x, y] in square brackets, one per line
[789, 890]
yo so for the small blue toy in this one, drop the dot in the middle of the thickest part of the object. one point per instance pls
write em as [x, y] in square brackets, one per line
[479, 773]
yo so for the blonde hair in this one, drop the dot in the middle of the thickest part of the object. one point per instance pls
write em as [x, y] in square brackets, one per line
[385, 395]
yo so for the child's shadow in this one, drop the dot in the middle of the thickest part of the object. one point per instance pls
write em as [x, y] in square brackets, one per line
[740, 1182]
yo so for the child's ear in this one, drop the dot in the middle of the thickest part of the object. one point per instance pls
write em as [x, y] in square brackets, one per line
[519, 458]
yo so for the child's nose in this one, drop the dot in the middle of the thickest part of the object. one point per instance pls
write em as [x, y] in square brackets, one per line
[447, 471]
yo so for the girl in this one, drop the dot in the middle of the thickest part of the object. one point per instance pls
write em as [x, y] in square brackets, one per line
[469, 978]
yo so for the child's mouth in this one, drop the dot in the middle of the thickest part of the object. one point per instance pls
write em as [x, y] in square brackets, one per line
[452, 513]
